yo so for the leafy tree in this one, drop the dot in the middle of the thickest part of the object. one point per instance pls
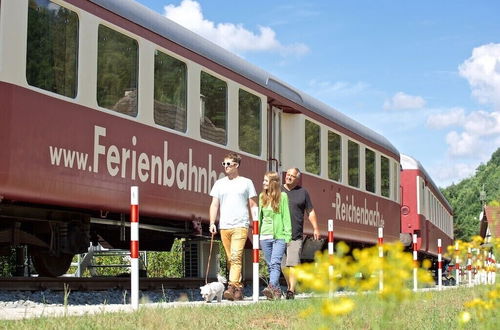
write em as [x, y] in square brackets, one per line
[465, 196]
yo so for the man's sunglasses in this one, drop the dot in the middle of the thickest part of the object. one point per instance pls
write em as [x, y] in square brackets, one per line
[224, 164]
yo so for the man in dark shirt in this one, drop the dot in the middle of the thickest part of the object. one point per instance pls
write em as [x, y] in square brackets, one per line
[299, 204]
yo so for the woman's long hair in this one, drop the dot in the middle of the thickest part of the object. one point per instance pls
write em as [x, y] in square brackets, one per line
[272, 195]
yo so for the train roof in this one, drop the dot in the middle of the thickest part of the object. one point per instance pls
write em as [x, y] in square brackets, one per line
[410, 163]
[165, 27]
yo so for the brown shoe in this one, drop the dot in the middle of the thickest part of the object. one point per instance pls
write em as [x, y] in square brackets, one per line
[272, 293]
[229, 293]
[238, 293]
[268, 292]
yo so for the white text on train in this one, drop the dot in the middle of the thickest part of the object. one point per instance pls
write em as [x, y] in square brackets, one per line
[127, 163]
[350, 212]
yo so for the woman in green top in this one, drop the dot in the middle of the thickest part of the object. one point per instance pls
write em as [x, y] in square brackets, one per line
[275, 230]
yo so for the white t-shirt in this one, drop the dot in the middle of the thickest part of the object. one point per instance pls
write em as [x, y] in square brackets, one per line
[233, 198]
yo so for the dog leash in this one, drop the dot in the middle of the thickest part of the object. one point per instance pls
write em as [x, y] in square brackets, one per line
[209, 257]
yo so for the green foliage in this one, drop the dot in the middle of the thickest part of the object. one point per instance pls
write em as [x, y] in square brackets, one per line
[167, 264]
[464, 197]
[8, 263]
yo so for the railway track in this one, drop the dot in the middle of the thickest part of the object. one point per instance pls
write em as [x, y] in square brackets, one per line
[96, 283]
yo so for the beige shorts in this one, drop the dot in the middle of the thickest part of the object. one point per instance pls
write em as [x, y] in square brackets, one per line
[293, 252]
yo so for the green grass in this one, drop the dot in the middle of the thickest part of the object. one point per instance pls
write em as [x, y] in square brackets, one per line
[430, 310]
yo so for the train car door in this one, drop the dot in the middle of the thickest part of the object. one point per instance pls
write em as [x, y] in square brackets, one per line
[274, 138]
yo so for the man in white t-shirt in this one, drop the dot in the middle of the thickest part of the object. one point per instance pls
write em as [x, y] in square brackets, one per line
[232, 196]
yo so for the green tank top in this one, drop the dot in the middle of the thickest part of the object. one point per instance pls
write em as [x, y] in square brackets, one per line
[267, 221]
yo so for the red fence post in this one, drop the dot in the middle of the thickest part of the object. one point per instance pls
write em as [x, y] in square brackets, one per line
[440, 266]
[381, 256]
[415, 262]
[134, 246]
[255, 237]
[330, 255]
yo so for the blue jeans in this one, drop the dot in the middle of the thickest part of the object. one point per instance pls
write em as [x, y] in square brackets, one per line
[273, 249]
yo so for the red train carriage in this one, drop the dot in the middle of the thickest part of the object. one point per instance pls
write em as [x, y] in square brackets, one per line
[425, 211]
[101, 95]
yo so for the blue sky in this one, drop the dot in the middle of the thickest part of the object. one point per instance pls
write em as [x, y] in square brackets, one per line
[425, 74]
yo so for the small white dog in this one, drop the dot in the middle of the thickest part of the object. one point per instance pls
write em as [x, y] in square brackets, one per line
[214, 289]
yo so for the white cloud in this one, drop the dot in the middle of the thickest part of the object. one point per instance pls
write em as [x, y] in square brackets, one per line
[234, 37]
[462, 144]
[402, 101]
[483, 123]
[450, 118]
[482, 70]
[338, 88]
[449, 172]
[476, 132]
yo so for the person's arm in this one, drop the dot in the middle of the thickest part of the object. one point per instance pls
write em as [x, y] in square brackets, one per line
[252, 202]
[314, 222]
[287, 221]
[214, 208]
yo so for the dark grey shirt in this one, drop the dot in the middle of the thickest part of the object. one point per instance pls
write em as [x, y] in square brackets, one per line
[298, 202]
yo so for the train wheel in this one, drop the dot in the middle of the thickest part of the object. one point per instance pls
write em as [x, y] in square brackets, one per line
[50, 266]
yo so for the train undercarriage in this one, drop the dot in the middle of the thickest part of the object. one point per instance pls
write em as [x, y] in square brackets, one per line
[54, 236]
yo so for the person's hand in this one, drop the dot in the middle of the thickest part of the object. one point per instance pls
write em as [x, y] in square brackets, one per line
[212, 229]
[316, 233]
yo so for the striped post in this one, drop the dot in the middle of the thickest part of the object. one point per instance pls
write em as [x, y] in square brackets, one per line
[134, 246]
[255, 237]
[415, 264]
[330, 254]
[457, 264]
[491, 269]
[475, 264]
[381, 256]
[494, 268]
[440, 265]
[469, 265]
[484, 268]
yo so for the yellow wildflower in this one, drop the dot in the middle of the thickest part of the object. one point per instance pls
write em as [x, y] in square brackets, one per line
[464, 317]
[343, 307]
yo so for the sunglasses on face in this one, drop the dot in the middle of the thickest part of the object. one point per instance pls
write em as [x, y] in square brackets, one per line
[224, 164]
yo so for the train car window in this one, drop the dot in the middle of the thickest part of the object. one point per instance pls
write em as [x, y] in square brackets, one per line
[369, 170]
[170, 92]
[334, 156]
[52, 48]
[395, 184]
[312, 148]
[421, 201]
[384, 176]
[117, 68]
[249, 122]
[213, 119]
[353, 163]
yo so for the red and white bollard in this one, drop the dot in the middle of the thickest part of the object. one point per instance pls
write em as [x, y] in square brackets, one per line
[469, 265]
[255, 239]
[381, 256]
[491, 269]
[134, 246]
[457, 264]
[330, 255]
[415, 262]
[440, 265]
